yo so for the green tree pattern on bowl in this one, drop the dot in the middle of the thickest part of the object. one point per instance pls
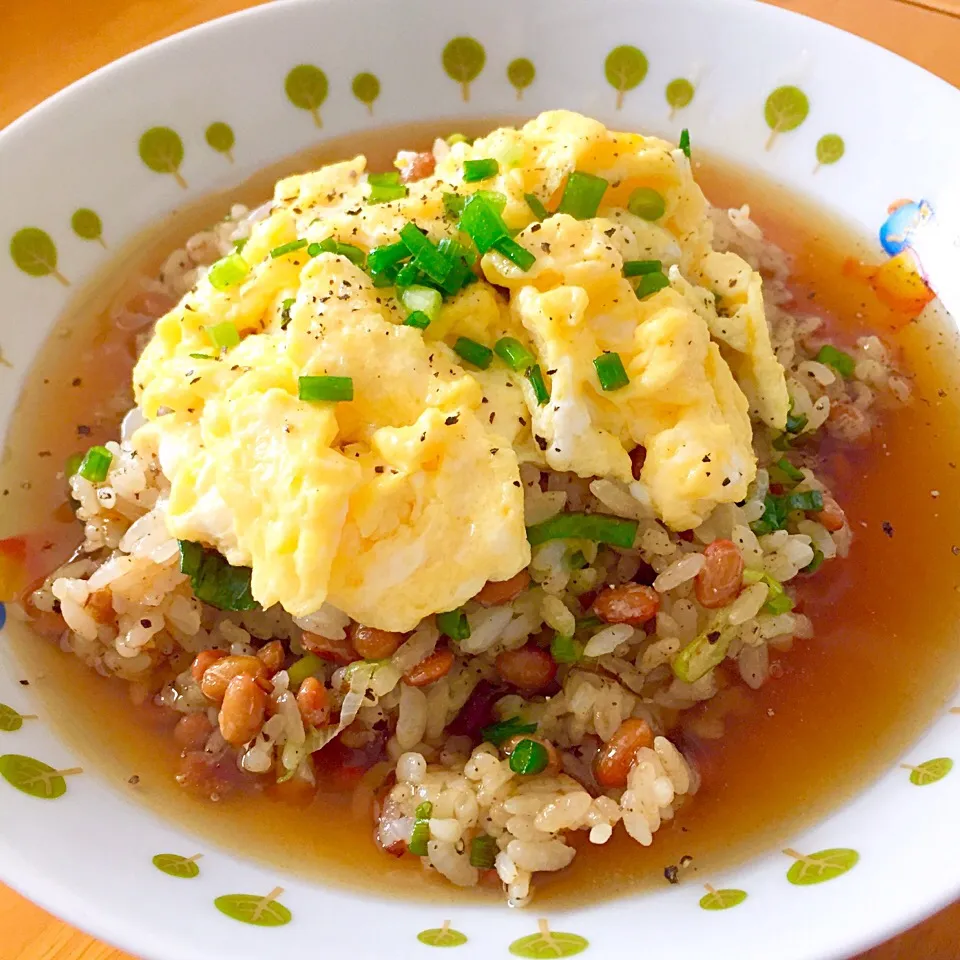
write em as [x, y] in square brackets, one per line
[35, 253]
[521, 73]
[34, 777]
[463, 59]
[679, 94]
[173, 865]
[625, 69]
[821, 866]
[830, 148]
[721, 899]
[220, 137]
[306, 87]
[784, 110]
[366, 88]
[87, 225]
[11, 720]
[161, 149]
[546, 944]
[258, 911]
[443, 936]
[930, 771]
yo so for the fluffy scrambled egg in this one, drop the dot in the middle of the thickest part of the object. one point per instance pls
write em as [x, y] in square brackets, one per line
[406, 499]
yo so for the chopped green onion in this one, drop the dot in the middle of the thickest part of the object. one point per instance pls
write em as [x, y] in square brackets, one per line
[223, 335]
[228, 272]
[238, 245]
[588, 623]
[425, 299]
[514, 354]
[650, 283]
[701, 655]
[517, 255]
[647, 203]
[481, 221]
[325, 389]
[783, 441]
[315, 249]
[584, 526]
[774, 516]
[286, 248]
[408, 275]
[576, 560]
[214, 581]
[202, 356]
[475, 170]
[565, 649]
[528, 758]
[610, 371]
[789, 470]
[389, 179]
[417, 319]
[461, 260]
[684, 143]
[795, 422]
[538, 209]
[483, 852]
[496, 199]
[498, 733]
[385, 192]
[385, 261]
[426, 256]
[353, 253]
[453, 205]
[72, 466]
[454, 624]
[452, 249]
[306, 666]
[638, 268]
[421, 830]
[95, 464]
[535, 376]
[473, 352]
[842, 362]
[814, 565]
[285, 306]
[582, 195]
[778, 604]
[805, 500]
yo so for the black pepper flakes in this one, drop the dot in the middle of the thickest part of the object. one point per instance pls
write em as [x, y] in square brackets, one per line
[450, 421]
[671, 873]
[887, 528]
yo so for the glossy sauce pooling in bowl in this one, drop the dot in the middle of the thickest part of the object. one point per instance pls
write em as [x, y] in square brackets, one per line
[837, 708]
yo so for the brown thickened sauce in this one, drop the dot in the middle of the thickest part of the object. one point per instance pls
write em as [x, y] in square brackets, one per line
[837, 710]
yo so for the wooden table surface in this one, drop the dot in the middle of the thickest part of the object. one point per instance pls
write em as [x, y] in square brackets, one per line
[47, 44]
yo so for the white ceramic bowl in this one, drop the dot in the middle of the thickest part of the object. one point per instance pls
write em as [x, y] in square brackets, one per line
[87, 854]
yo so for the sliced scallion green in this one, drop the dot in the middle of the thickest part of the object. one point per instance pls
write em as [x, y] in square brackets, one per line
[538, 209]
[228, 272]
[238, 245]
[684, 143]
[325, 389]
[306, 666]
[650, 283]
[582, 195]
[420, 836]
[453, 205]
[473, 352]
[454, 624]
[565, 649]
[285, 306]
[789, 470]
[481, 222]
[95, 464]
[483, 852]
[514, 354]
[610, 371]
[814, 565]
[842, 362]
[390, 178]
[517, 255]
[529, 758]
[774, 516]
[223, 335]
[417, 319]
[638, 268]
[795, 422]
[408, 275]
[386, 192]
[702, 654]
[215, 581]
[292, 247]
[202, 356]
[585, 526]
[805, 500]
[540, 391]
[385, 261]
[647, 203]
[476, 170]
[498, 733]
[426, 256]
